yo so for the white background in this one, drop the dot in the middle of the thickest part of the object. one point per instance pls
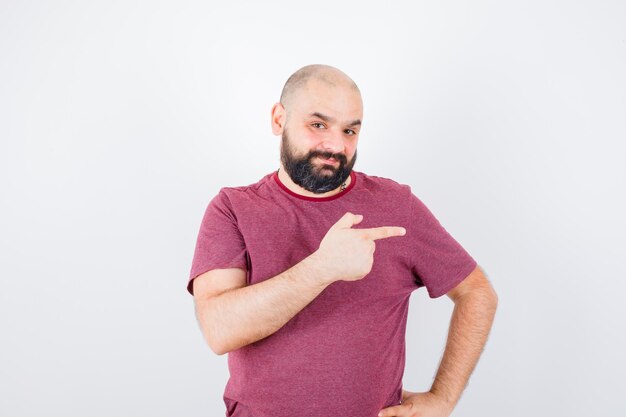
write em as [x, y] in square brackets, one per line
[120, 120]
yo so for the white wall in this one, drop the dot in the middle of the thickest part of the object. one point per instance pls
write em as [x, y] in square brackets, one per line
[120, 120]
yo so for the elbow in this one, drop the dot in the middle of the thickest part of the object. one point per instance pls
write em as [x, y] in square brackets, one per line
[219, 345]
[220, 339]
[221, 348]
[485, 297]
[216, 344]
[494, 297]
[492, 301]
[488, 294]
[208, 328]
[218, 349]
[210, 340]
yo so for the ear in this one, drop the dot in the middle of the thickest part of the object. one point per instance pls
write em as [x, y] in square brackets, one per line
[279, 117]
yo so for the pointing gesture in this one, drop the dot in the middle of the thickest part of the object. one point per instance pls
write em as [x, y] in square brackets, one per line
[348, 254]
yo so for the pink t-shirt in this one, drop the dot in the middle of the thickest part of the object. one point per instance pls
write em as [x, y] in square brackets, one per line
[343, 355]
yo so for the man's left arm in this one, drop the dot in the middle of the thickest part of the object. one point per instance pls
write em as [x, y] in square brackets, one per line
[475, 303]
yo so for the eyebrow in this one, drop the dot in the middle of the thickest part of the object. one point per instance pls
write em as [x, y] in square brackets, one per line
[329, 119]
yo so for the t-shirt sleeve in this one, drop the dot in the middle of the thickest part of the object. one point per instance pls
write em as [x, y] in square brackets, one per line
[438, 261]
[219, 243]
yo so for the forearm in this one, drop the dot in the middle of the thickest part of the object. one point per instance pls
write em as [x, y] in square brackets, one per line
[244, 315]
[470, 324]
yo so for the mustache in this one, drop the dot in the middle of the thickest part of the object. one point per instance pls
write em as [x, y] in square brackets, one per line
[327, 155]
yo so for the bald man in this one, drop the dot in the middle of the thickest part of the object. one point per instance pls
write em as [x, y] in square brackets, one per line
[304, 277]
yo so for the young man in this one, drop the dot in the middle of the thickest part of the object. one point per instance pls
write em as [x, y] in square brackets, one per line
[304, 277]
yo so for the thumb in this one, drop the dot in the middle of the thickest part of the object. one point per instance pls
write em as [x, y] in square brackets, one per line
[347, 221]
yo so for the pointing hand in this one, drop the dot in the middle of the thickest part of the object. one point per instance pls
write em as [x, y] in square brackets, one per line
[348, 254]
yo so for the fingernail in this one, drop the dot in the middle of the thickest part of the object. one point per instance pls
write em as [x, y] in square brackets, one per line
[403, 232]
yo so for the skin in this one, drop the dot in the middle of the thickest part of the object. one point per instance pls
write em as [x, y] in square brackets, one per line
[475, 303]
[333, 95]
[232, 314]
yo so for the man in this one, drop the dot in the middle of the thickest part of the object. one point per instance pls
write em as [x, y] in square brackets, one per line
[304, 277]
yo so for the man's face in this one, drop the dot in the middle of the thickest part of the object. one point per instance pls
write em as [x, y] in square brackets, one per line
[316, 171]
[318, 147]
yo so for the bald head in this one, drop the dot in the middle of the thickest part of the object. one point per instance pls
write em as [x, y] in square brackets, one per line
[330, 76]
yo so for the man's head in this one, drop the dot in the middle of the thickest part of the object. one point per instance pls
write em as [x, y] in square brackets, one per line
[319, 117]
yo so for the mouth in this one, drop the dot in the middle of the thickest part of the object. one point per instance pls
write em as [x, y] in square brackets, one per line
[330, 161]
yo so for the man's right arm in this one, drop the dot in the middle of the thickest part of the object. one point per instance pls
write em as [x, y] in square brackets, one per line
[232, 315]
[244, 314]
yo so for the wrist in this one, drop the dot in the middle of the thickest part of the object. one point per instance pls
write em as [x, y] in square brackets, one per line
[316, 271]
[443, 398]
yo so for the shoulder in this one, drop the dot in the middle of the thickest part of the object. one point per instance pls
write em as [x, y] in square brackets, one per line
[378, 184]
[245, 191]
[233, 200]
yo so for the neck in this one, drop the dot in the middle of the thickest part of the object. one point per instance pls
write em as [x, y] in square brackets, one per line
[287, 181]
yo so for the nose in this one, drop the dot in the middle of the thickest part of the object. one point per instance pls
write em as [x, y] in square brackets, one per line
[333, 142]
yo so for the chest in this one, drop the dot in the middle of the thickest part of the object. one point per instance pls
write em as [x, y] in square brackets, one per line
[279, 237]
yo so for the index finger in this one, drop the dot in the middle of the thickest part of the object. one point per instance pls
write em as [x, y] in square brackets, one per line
[383, 232]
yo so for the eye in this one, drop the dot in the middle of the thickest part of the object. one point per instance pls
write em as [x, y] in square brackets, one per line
[350, 130]
[317, 123]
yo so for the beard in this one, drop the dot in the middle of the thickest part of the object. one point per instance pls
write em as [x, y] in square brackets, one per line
[317, 179]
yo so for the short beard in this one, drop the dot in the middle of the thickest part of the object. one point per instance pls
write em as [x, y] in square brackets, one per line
[303, 172]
